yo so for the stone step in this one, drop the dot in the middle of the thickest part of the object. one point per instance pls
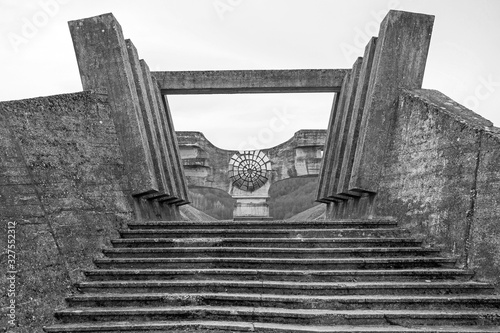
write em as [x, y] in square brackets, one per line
[187, 225]
[249, 326]
[279, 275]
[267, 242]
[265, 233]
[279, 315]
[356, 302]
[254, 252]
[287, 287]
[277, 263]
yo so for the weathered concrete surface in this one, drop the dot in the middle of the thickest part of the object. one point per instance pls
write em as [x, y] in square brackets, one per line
[143, 94]
[250, 81]
[167, 164]
[357, 116]
[140, 113]
[342, 136]
[206, 165]
[441, 179]
[399, 62]
[326, 168]
[103, 62]
[62, 181]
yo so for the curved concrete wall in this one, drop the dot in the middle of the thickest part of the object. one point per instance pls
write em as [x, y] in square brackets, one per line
[206, 165]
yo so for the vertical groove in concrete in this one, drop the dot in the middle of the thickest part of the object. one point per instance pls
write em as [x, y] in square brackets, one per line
[330, 144]
[147, 116]
[344, 127]
[357, 114]
[104, 64]
[399, 63]
[171, 186]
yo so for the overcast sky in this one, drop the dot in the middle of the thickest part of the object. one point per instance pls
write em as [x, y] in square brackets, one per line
[37, 57]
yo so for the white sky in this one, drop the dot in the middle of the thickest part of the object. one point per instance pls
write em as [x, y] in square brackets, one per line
[463, 62]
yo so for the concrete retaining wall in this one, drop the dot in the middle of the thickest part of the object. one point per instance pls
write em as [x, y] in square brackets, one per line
[62, 183]
[441, 179]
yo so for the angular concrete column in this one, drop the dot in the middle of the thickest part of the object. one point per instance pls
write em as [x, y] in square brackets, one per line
[145, 106]
[173, 147]
[183, 193]
[343, 129]
[171, 184]
[399, 63]
[357, 115]
[326, 165]
[104, 65]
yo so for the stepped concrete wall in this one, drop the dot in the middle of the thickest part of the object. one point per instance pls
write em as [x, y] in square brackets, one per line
[393, 149]
[440, 179]
[63, 186]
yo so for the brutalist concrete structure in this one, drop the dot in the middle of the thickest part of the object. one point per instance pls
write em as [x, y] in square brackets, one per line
[407, 173]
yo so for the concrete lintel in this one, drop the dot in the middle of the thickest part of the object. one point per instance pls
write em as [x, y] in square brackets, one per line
[250, 81]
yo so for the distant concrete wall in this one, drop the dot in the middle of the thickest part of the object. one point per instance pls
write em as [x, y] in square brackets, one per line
[206, 165]
[63, 183]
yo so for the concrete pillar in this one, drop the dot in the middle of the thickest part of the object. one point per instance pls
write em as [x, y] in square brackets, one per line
[357, 114]
[399, 63]
[180, 169]
[173, 147]
[149, 124]
[326, 169]
[104, 65]
[171, 184]
[343, 129]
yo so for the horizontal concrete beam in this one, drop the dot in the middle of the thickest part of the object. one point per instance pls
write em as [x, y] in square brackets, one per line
[250, 81]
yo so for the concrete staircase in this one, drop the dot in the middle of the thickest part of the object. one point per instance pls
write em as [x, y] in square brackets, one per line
[276, 276]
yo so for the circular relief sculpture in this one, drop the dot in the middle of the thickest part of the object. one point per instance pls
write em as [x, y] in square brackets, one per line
[248, 170]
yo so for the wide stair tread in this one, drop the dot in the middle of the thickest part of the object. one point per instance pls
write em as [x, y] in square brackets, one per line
[234, 326]
[275, 274]
[280, 315]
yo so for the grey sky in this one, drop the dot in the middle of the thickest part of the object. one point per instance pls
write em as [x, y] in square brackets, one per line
[251, 34]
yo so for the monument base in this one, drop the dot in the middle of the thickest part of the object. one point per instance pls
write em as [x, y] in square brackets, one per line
[251, 208]
[253, 218]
